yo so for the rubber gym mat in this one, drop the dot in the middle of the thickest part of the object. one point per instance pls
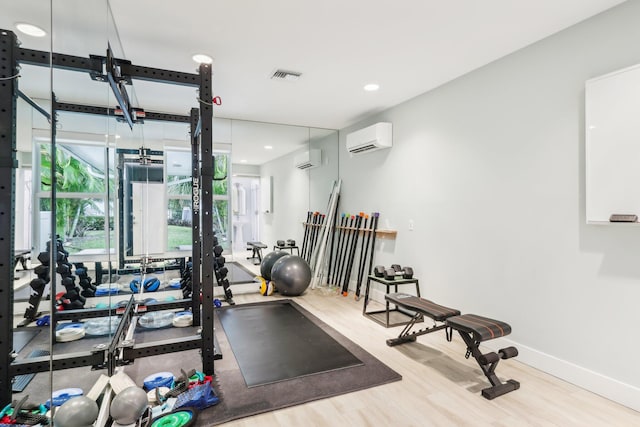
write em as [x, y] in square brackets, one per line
[239, 274]
[20, 382]
[21, 338]
[275, 342]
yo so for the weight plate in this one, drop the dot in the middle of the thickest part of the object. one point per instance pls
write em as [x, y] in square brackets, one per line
[183, 417]
[67, 332]
[60, 396]
[159, 379]
[183, 319]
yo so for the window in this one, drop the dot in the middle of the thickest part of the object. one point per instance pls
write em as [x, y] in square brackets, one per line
[84, 215]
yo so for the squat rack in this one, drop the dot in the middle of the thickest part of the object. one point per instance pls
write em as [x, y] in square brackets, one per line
[118, 73]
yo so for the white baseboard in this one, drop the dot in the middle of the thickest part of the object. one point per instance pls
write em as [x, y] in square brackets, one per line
[612, 389]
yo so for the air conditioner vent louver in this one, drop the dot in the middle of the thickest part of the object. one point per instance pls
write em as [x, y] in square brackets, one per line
[308, 159]
[364, 148]
[286, 75]
[371, 138]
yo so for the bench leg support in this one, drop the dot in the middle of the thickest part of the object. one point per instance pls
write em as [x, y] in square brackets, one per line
[407, 336]
[488, 365]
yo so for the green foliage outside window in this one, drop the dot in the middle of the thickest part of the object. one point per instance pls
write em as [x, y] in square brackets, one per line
[72, 176]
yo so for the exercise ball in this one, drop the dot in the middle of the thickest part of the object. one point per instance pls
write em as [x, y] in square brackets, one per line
[267, 263]
[291, 275]
[128, 405]
[76, 412]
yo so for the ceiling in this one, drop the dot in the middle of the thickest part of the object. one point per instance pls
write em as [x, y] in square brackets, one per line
[408, 47]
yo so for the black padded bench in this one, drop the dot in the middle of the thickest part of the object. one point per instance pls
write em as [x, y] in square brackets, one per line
[420, 307]
[472, 328]
[256, 251]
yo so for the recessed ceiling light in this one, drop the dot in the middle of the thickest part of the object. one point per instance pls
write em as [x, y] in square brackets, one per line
[30, 29]
[371, 87]
[201, 58]
[268, 147]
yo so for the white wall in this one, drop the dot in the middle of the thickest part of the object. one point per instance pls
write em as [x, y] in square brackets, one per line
[290, 201]
[490, 168]
[321, 178]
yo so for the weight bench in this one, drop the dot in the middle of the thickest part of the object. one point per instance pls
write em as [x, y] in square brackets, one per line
[472, 328]
[256, 251]
[21, 256]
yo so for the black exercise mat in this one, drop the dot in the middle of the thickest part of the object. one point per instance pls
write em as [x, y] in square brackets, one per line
[276, 342]
[20, 382]
[21, 338]
[238, 401]
[239, 274]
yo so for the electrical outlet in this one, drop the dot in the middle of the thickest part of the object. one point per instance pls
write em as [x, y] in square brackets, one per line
[410, 225]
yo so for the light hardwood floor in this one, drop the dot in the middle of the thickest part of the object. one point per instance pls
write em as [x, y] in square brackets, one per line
[439, 386]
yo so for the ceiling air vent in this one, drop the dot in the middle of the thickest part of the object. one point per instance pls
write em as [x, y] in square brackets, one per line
[290, 76]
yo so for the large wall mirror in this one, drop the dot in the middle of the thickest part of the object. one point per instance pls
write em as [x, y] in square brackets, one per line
[104, 211]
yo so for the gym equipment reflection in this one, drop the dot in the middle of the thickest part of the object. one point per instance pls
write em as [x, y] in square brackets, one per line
[108, 355]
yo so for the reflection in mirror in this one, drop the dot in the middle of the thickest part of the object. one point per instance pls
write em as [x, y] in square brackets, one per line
[19, 277]
[120, 201]
[279, 173]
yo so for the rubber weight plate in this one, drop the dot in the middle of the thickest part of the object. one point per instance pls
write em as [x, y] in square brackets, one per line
[182, 417]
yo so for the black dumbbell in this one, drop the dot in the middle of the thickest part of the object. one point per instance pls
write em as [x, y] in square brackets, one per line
[221, 274]
[88, 292]
[63, 270]
[291, 242]
[38, 284]
[378, 271]
[396, 270]
[43, 257]
[280, 243]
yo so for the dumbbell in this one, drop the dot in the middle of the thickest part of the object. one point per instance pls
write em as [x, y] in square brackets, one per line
[38, 284]
[63, 270]
[217, 250]
[219, 262]
[378, 271]
[391, 273]
[43, 257]
[280, 243]
[291, 242]
[396, 270]
[221, 273]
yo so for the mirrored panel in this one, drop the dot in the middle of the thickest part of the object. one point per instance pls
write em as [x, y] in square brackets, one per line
[279, 174]
[107, 210]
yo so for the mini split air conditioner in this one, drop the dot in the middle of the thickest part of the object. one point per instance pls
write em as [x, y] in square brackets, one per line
[371, 138]
[308, 159]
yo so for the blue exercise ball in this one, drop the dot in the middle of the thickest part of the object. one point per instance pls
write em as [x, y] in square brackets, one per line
[291, 275]
[267, 263]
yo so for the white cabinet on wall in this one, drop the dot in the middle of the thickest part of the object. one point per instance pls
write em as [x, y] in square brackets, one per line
[612, 121]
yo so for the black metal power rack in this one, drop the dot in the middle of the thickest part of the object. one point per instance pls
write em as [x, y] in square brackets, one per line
[118, 73]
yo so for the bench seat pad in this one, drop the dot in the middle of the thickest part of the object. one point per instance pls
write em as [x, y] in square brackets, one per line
[257, 245]
[482, 328]
[429, 308]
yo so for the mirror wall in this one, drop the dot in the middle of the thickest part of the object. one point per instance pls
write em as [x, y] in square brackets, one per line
[120, 198]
